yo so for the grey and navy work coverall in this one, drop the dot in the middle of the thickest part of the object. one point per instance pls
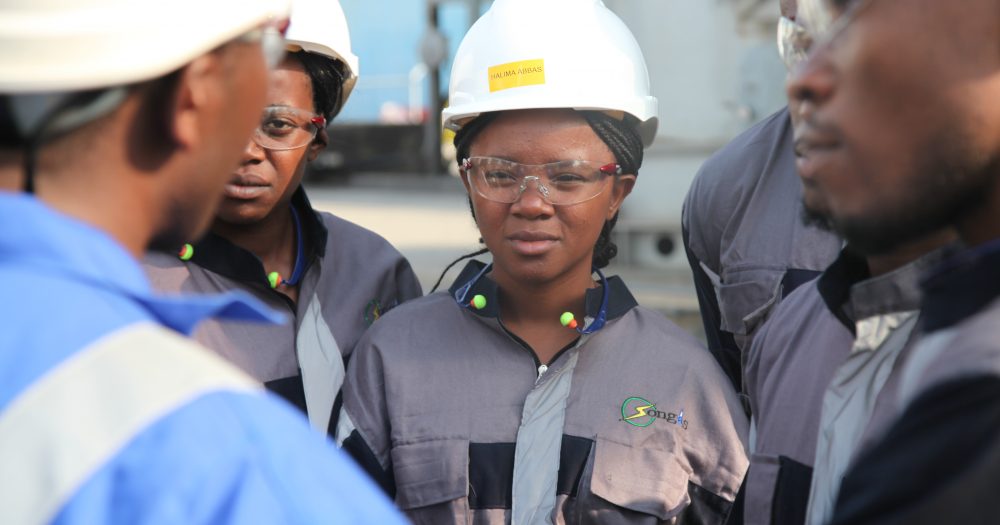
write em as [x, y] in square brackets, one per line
[455, 416]
[939, 461]
[745, 239]
[820, 379]
[353, 276]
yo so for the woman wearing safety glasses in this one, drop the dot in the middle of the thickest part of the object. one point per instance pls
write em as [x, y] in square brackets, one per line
[536, 390]
[332, 278]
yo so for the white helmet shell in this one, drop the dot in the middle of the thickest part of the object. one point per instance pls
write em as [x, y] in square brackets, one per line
[320, 27]
[527, 54]
[60, 46]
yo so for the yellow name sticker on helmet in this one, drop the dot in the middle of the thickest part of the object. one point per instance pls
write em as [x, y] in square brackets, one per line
[517, 74]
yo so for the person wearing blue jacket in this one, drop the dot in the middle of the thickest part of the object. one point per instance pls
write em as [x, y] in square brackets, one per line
[114, 116]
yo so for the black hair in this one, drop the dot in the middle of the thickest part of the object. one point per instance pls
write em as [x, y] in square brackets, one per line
[620, 135]
[327, 77]
[622, 138]
[463, 137]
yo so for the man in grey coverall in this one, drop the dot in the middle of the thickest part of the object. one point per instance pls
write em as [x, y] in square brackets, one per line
[743, 237]
[901, 133]
[820, 377]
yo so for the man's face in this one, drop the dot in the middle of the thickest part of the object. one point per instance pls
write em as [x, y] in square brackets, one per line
[238, 94]
[899, 118]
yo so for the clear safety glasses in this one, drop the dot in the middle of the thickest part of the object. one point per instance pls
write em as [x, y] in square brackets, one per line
[271, 36]
[560, 183]
[794, 41]
[826, 20]
[284, 127]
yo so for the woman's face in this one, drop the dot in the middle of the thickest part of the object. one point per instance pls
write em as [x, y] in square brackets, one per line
[532, 240]
[267, 178]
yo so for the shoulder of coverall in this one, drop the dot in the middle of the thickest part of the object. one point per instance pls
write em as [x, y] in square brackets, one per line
[722, 181]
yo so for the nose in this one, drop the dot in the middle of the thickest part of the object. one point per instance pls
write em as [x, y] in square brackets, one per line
[532, 204]
[812, 83]
[253, 152]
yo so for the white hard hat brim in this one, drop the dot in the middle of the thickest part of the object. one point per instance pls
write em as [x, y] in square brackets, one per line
[116, 43]
[644, 109]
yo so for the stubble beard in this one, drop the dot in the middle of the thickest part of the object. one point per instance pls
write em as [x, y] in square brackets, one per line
[950, 182]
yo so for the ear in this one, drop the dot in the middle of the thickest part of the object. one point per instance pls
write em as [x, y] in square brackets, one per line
[622, 187]
[198, 92]
[318, 145]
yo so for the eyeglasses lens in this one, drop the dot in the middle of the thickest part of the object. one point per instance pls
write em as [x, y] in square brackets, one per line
[560, 183]
[283, 128]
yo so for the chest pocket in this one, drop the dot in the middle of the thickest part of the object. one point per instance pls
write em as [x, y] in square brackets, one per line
[631, 485]
[432, 480]
[746, 297]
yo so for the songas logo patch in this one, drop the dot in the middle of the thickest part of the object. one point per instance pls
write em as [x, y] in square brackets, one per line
[640, 412]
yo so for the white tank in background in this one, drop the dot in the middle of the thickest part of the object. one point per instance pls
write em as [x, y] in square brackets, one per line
[715, 69]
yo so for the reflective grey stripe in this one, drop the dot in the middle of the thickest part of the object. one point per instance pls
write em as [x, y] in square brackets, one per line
[539, 439]
[345, 427]
[848, 404]
[923, 356]
[65, 426]
[321, 364]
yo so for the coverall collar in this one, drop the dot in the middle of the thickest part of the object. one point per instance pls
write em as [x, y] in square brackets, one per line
[961, 286]
[620, 300]
[218, 255]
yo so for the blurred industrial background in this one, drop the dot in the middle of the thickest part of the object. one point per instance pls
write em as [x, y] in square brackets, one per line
[713, 65]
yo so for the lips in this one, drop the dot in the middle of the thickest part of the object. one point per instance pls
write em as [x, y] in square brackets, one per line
[532, 243]
[813, 151]
[246, 186]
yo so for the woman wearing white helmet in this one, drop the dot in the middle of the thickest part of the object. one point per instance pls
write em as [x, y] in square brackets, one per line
[331, 277]
[536, 390]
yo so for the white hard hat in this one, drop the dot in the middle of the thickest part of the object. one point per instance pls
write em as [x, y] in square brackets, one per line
[525, 54]
[62, 46]
[320, 27]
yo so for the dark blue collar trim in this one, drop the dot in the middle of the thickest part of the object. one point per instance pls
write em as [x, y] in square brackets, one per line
[218, 255]
[961, 286]
[300, 251]
[834, 285]
[614, 297]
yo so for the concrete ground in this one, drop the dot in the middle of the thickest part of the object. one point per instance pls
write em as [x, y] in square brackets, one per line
[428, 220]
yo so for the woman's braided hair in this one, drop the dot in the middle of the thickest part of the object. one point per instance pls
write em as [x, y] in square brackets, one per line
[327, 77]
[624, 142]
[621, 137]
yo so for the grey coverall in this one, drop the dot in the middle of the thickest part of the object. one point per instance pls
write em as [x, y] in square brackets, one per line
[460, 422]
[353, 276]
[820, 381]
[939, 461]
[745, 239]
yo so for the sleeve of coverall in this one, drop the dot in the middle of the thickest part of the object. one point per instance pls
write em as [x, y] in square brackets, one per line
[721, 344]
[938, 463]
[363, 429]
